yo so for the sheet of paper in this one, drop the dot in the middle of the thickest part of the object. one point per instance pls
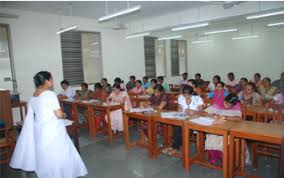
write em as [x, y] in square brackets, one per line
[69, 99]
[67, 122]
[173, 115]
[207, 121]
[141, 110]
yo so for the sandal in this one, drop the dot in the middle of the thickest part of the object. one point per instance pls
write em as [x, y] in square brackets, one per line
[172, 152]
[166, 150]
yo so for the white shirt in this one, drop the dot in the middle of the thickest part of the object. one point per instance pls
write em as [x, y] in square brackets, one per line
[211, 86]
[183, 82]
[195, 102]
[69, 92]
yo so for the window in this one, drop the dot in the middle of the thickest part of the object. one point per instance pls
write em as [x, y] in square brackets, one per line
[178, 57]
[7, 69]
[155, 57]
[149, 50]
[81, 57]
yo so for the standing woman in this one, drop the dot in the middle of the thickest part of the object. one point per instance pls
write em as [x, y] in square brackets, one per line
[44, 145]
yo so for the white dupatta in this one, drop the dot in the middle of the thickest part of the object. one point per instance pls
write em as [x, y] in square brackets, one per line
[24, 154]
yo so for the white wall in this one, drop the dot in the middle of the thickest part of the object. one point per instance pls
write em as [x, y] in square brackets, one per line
[36, 47]
[243, 57]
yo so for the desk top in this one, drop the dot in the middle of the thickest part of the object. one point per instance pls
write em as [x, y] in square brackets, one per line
[254, 130]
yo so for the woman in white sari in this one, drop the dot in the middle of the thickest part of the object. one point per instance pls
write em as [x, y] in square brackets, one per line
[44, 145]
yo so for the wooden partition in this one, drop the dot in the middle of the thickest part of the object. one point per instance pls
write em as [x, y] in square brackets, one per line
[5, 107]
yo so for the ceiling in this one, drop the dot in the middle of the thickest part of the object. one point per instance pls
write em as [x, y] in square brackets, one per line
[96, 9]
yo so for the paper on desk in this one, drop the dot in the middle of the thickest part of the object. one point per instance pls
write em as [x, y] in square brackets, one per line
[207, 121]
[141, 109]
[173, 115]
[69, 99]
[67, 122]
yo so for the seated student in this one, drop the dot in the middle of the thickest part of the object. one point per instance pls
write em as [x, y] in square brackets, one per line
[192, 83]
[118, 96]
[242, 85]
[280, 82]
[150, 90]
[131, 84]
[188, 102]
[184, 79]
[138, 89]
[257, 80]
[267, 91]
[118, 80]
[198, 80]
[67, 93]
[106, 86]
[158, 99]
[218, 95]
[249, 97]
[99, 92]
[231, 81]
[163, 83]
[214, 82]
[214, 143]
[101, 95]
[279, 98]
[84, 93]
[145, 83]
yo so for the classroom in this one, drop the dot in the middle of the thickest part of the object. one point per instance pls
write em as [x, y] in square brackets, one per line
[141, 89]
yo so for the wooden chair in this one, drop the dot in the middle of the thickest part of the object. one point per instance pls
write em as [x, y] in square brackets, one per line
[7, 144]
[134, 99]
[246, 113]
[264, 149]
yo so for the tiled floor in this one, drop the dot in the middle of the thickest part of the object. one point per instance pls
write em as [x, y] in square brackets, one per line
[106, 160]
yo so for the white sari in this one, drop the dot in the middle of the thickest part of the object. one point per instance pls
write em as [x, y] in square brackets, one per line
[44, 145]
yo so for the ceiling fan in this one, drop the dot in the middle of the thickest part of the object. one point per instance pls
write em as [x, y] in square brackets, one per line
[227, 4]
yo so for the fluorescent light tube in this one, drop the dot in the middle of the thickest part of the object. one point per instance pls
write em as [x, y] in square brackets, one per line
[190, 26]
[245, 37]
[119, 13]
[201, 41]
[264, 15]
[137, 35]
[67, 29]
[221, 31]
[170, 37]
[275, 24]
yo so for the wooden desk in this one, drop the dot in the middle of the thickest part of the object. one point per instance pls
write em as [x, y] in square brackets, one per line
[71, 104]
[141, 142]
[107, 108]
[257, 131]
[156, 118]
[218, 129]
[21, 105]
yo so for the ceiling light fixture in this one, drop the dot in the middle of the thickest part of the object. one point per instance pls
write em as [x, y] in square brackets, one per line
[264, 15]
[120, 13]
[275, 24]
[190, 26]
[137, 35]
[245, 37]
[201, 41]
[221, 31]
[67, 29]
[169, 38]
